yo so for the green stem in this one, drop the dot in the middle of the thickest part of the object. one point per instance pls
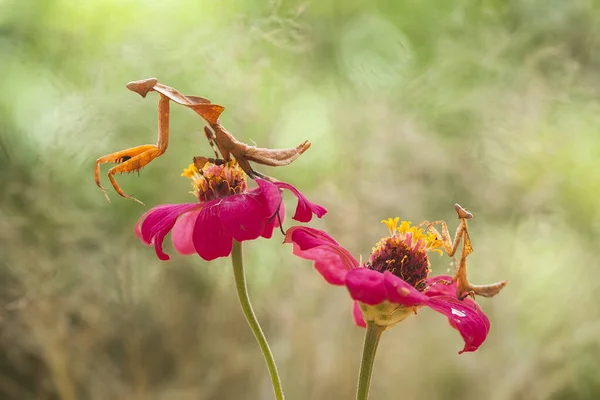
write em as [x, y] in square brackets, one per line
[242, 291]
[368, 357]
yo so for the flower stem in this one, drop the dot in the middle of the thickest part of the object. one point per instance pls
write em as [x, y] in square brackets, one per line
[368, 357]
[242, 291]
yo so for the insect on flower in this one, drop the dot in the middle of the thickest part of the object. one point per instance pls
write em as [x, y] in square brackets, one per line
[394, 282]
[463, 288]
[135, 158]
[226, 208]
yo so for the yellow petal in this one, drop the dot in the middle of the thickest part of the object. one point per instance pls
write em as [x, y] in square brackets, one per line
[404, 227]
[392, 224]
[190, 171]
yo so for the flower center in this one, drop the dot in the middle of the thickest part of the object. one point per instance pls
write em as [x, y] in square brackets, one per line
[404, 253]
[214, 181]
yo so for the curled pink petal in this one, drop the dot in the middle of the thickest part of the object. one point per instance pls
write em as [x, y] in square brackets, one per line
[312, 238]
[472, 324]
[358, 316]
[366, 286]
[158, 242]
[244, 216]
[211, 240]
[161, 230]
[138, 225]
[153, 218]
[181, 235]
[401, 292]
[160, 217]
[158, 223]
[331, 260]
[305, 209]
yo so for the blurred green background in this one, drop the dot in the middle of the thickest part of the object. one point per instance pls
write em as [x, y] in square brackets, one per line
[411, 106]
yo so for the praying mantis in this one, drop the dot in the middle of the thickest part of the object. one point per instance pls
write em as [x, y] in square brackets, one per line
[463, 287]
[136, 158]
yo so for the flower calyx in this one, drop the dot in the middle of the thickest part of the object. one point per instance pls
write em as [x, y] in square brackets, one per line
[385, 314]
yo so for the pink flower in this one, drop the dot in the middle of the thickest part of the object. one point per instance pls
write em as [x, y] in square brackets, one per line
[394, 283]
[226, 210]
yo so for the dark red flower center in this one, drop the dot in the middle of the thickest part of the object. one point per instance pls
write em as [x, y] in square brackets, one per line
[404, 254]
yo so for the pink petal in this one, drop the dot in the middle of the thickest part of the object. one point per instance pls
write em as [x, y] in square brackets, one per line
[366, 286]
[438, 286]
[158, 242]
[159, 217]
[357, 314]
[400, 292]
[275, 221]
[471, 322]
[271, 195]
[305, 209]
[312, 237]
[211, 240]
[138, 225]
[182, 233]
[244, 216]
[158, 223]
[331, 260]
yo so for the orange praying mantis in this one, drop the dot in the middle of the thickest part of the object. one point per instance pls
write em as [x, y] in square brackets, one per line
[135, 158]
[463, 287]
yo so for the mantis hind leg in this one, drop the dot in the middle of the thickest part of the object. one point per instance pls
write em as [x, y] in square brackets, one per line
[132, 159]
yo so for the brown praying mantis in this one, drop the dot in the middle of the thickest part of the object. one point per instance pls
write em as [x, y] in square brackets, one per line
[463, 287]
[136, 158]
